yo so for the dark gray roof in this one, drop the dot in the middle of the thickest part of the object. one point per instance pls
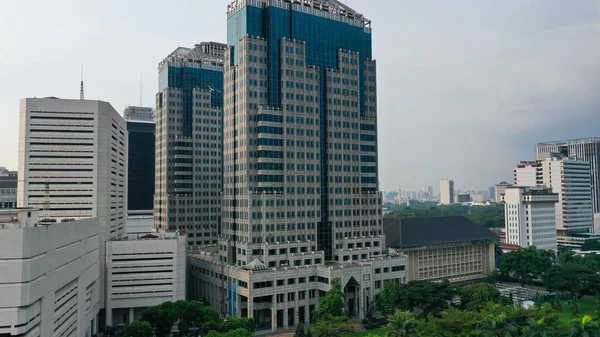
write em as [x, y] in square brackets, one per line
[411, 232]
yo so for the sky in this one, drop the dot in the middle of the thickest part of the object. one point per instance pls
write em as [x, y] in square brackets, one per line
[465, 88]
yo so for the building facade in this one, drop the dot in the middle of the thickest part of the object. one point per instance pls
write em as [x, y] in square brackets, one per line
[8, 188]
[446, 192]
[442, 248]
[571, 180]
[49, 281]
[500, 189]
[73, 165]
[587, 149]
[141, 158]
[143, 273]
[530, 217]
[189, 153]
[301, 200]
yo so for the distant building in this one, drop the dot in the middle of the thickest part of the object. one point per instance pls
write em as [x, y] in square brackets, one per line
[492, 193]
[586, 149]
[137, 113]
[49, 276]
[446, 192]
[140, 169]
[462, 198]
[500, 188]
[530, 218]
[570, 179]
[430, 243]
[8, 188]
[142, 273]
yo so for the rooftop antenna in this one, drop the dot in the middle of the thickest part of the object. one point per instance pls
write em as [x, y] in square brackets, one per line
[81, 94]
[141, 91]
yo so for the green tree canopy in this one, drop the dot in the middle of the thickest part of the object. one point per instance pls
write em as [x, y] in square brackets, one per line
[401, 324]
[526, 265]
[137, 329]
[474, 297]
[332, 304]
[573, 279]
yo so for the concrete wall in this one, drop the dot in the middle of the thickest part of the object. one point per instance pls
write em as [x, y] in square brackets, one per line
[143, 273]
[49, 279]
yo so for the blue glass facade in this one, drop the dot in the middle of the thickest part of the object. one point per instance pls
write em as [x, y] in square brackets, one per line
[140, 168]
[323, 39]
[190, 78]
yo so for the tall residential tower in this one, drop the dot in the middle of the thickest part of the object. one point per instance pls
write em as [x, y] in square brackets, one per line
[189, 142]
[447, 192]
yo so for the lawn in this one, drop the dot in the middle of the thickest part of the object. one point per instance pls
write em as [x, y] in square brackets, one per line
[376, 332]
[586, 307]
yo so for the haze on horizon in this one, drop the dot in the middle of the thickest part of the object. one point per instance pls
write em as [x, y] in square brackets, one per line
[466, 89]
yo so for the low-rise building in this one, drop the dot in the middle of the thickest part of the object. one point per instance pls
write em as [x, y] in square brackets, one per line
[8, 188]
[49, 276]
[281, 298]
[142, 273]
[437, 248]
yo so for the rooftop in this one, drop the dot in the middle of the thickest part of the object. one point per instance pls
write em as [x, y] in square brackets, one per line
[422, 231]
[329, 6]
[572, 141]
[203, 53]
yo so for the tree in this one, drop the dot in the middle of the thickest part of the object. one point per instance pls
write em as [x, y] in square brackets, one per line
[137, 329]
[401, 324]
[232, 333]
[163, 316]
[454, 323]
[332, 304]
[333, 327]
[538, 328]
[590, 245]
[497, 326]
[584, 327]
[387, 300]
[475, 296]
[300, 331]
[526, 265]
[573, 279]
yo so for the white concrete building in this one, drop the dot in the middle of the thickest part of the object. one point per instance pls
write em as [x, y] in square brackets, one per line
[597, 223]
[142, 273]
[447, 192]
[570, 179]
[49, 276]
[530, 218]
[73, 164]
[139, 223]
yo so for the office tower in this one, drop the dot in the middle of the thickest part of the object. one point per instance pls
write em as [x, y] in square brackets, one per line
[138, 113]
[570, 180]
[300, 165]
[587, 149]
[72, 161]
[189, 108]
[8, 188]
[492, 193]
[500, 189]
[461, 198]
[446, 192]
[530, 217]
[140, 154]
[50, 283]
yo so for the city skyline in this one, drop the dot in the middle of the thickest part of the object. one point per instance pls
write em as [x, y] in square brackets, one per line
[483, 58]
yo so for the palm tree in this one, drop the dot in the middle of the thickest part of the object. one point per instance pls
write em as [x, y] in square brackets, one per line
[497, 326]
[586, 327]
[537, 328]
[400, 324]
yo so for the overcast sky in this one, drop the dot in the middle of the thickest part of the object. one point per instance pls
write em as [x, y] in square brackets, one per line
[466, 88]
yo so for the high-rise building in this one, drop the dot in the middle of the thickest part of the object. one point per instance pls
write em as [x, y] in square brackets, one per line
[73, 161]
[446, 192]
[300, 165]
[141, 160]
[189, 133]
[73, 165]
[530, 217]
[568, 178]
[492, 193]
[586, 149]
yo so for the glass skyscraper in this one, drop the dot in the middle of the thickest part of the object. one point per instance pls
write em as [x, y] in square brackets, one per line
[188, 166]
[300, 132]
[301, 204]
